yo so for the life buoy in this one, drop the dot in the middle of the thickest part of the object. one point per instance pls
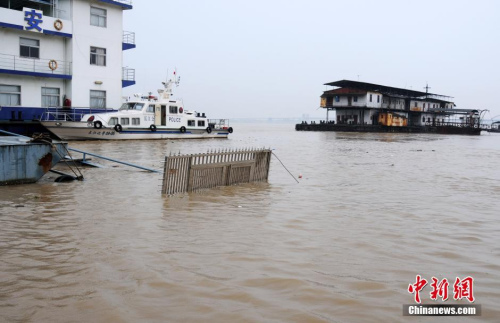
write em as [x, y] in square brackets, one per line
[181, 110]
[209, 130]
[53, 64]
[58, 24]
[118, 128]
[230, 130]
[182, 129]
[475, 126]
[98, 124]
[152, 128]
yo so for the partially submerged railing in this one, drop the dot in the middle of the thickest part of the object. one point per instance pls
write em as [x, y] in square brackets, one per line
[186, 173]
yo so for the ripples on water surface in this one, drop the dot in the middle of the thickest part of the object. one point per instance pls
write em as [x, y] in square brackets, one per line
[370, 213]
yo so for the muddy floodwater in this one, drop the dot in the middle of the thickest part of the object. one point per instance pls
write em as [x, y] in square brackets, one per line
[370, 212]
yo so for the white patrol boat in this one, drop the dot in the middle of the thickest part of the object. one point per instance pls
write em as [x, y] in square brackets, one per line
[143, 117]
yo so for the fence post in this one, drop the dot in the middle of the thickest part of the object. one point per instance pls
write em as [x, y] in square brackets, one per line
[165, 174]
[188, 174]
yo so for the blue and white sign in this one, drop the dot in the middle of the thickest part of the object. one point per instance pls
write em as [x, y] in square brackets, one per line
[33, 19]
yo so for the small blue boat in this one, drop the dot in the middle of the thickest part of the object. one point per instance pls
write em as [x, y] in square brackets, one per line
[26, 160]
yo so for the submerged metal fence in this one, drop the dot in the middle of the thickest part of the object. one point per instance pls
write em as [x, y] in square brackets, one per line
[187, 173]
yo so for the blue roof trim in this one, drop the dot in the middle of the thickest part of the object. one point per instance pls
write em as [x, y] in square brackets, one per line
[123, 5]
[57, 33]
[6, 25]
[57, 76]
[126, 46]
[45, 31]
[126, 83]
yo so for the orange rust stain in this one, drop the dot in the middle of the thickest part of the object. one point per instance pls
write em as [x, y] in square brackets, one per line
[46, 162]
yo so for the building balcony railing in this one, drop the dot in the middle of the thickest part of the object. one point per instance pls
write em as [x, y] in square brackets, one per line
[11, 64]
[128, 40]
[129, 37]
[128, 76]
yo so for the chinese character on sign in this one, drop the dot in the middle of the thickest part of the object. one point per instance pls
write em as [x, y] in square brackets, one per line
[417, 287]
[33, 18]
[463, 289]
[439, 289]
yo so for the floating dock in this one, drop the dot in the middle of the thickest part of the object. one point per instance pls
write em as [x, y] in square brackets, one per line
[449, 130]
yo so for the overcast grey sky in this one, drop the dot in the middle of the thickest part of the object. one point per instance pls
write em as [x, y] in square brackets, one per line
[271, 58]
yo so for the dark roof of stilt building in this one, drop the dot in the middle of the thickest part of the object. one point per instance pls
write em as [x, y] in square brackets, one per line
[384, 89]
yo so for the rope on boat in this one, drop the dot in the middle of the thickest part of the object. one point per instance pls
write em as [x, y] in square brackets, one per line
[46, 139]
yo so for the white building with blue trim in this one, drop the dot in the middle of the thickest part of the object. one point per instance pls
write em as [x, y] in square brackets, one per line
[62, 53]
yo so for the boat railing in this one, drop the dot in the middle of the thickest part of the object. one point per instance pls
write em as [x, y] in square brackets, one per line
[30, 65]
[452, 124]
[218, 123]
[69, 114]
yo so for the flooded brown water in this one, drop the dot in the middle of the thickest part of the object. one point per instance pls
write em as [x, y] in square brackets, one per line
[370, 213]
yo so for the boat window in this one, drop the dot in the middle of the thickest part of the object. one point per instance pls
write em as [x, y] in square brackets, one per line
[136, 121]
[98, 17]
[113, 121]
[97, 99]
[172, 109]
[132, 106]
[201, 123]
[29, 48]
[50, 97]
[10, 94]
[151, 108]
[124, 121]
[98, 56]
[191, 123]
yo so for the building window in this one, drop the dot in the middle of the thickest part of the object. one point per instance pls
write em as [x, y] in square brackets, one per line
[10, 95]
[370, 98]
[337, 98]
[136, 121]
[423, 119]
[201, 123]
[29, 48]
[355, 99]
[172, 109]
[191, 123]
[378, 98]
[97, 99]
[98, 56]
[50, 97]
[125, 121]
[98, 17]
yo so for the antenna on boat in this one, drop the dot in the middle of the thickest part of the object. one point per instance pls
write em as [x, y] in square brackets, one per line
[177, 79]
